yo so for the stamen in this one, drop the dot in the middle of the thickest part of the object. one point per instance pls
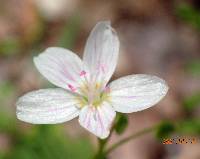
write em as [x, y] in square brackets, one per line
[84, 77]
[97, 86]
[83, 73]
[72, 88]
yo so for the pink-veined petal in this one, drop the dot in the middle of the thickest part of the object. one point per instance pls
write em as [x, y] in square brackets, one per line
[101, 52]
[61, 67]
[47, 106]
[136, 92]
[97, 120]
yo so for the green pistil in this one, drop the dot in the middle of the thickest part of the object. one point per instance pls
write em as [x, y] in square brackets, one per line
[103, 96]
[99, 97]
[97, 102]
[85, 99]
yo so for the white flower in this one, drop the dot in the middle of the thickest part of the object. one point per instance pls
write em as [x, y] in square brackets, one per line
[83, 86]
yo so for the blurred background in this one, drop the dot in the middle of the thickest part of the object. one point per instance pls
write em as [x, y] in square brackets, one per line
[157, 37]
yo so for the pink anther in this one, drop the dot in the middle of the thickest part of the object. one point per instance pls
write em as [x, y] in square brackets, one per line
[83, 73]
[73, 89]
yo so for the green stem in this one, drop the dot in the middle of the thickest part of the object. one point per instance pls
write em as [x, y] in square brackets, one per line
[100, 152]
[133, 136]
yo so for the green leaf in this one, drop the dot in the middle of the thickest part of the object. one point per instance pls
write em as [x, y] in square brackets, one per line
[6, 89]
[189, 127]
[69, 33]
[7, 119]
[165, 129]
[193, 67]
[49, 142]
[189, 15]
[190, 103]
[121, 123]
[9, 46]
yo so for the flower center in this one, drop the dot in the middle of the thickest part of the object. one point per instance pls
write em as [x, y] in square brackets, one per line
[93, 94]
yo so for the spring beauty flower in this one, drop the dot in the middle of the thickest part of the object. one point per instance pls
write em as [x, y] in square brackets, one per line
[83, 90]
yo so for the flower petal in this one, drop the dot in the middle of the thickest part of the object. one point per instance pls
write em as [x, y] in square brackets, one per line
[101, 52]
[61, 67]
[97, 120]
[47, 106]
[136, 92]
